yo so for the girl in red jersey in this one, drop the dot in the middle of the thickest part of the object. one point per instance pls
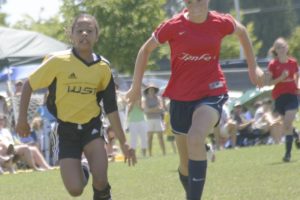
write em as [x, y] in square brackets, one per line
[197, 86]
[78, 80]
[284, 73]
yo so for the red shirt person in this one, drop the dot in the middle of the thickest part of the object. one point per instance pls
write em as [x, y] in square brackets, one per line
[197, 87]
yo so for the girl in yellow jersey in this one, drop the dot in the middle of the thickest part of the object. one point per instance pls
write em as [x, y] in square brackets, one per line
[78, 80]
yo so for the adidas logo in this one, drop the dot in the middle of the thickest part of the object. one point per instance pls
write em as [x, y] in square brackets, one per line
[72, 76]
[94, 131]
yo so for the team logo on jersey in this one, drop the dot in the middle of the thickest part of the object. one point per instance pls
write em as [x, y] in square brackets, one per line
[72, 76]
[181, 33]
[81, 90]
[205, 57]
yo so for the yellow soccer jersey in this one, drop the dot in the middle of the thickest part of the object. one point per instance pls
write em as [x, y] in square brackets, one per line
[75, 87]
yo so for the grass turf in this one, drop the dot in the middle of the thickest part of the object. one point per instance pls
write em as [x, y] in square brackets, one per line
[255, 173]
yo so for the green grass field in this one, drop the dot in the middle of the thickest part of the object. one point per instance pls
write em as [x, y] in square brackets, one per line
[254, 173]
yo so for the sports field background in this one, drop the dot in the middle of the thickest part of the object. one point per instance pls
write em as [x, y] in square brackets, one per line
[254, 173]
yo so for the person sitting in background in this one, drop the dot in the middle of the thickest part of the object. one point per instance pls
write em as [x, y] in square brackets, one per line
[266, 123]
[244, 126]
[30, 154]
[6, 160]
[226, 130]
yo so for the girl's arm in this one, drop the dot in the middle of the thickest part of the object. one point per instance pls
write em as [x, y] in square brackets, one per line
[22, 127]
[115, 123]
[145, 51]
[255, 72]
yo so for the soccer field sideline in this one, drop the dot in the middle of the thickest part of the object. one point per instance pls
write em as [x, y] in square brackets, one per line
[254, 173]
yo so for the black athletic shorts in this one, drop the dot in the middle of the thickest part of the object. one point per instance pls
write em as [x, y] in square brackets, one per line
[181, 112]
[286, 102]
[73, 137]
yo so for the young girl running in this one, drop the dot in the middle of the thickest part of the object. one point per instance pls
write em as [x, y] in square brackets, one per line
[78, 80]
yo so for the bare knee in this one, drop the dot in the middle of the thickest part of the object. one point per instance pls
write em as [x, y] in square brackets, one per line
[75, 191]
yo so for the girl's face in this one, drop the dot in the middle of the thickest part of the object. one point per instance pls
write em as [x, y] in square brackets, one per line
[197, 7]
[281, 47]
[84, 34]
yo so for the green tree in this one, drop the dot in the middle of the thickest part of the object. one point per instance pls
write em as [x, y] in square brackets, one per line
[42, 26]
[2, 19]
[275, 18]
[231, 46]
[124, 26]
[294, 44]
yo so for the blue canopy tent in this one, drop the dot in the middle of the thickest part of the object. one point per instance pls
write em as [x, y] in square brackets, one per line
[15, 73]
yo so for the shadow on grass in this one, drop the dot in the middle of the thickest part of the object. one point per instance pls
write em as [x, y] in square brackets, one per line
[283, 163]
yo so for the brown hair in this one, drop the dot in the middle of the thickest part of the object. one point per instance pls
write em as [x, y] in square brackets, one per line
[272, 50]
[85, 15]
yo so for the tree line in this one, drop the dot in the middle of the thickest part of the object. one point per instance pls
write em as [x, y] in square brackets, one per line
[126, 24]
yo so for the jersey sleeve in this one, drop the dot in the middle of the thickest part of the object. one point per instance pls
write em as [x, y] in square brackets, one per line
[108, 96]
[163, 32]
[44, 75]
[228, 24]
[271, 68]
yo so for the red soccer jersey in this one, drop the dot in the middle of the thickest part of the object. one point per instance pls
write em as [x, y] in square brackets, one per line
[195, 49]
[276, 68]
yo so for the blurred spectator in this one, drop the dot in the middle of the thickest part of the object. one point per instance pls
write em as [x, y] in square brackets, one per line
[113, 151]
[47, 136]
[137, 126]
[153, 108]
[30, 154]
[18, 88]
[266, 123]
[244, 126]
[168, 129]
[121, 106]
[226, 130]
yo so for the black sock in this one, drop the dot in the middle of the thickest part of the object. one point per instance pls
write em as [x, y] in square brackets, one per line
[184, 181]
[288, 145]
[86, 172]
[103, 194]
[197, 175]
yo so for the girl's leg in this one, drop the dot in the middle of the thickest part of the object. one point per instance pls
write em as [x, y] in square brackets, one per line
[39, 158]
[181, 141]
[133, 131]
[203, 122]
[161, 142]
[144, 138]
[24, 152]
[150, 139]
[97, 159]
[72, 175]
[288, 119]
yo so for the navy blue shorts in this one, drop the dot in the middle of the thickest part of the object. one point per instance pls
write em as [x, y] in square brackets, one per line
[286, 102]
[181, 112]
[73, 137]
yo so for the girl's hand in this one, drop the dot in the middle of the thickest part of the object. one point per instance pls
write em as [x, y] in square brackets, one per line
[133, 95]
[284, 74]
[257, 76]
[23, 128]
[129, 154]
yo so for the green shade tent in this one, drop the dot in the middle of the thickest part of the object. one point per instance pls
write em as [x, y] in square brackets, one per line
[250, 96]
[19, 47]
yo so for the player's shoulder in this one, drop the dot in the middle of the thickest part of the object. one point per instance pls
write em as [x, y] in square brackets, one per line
[63, 53]
[104, 60]
[293, 60]
[172, 22]
[215, 15]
